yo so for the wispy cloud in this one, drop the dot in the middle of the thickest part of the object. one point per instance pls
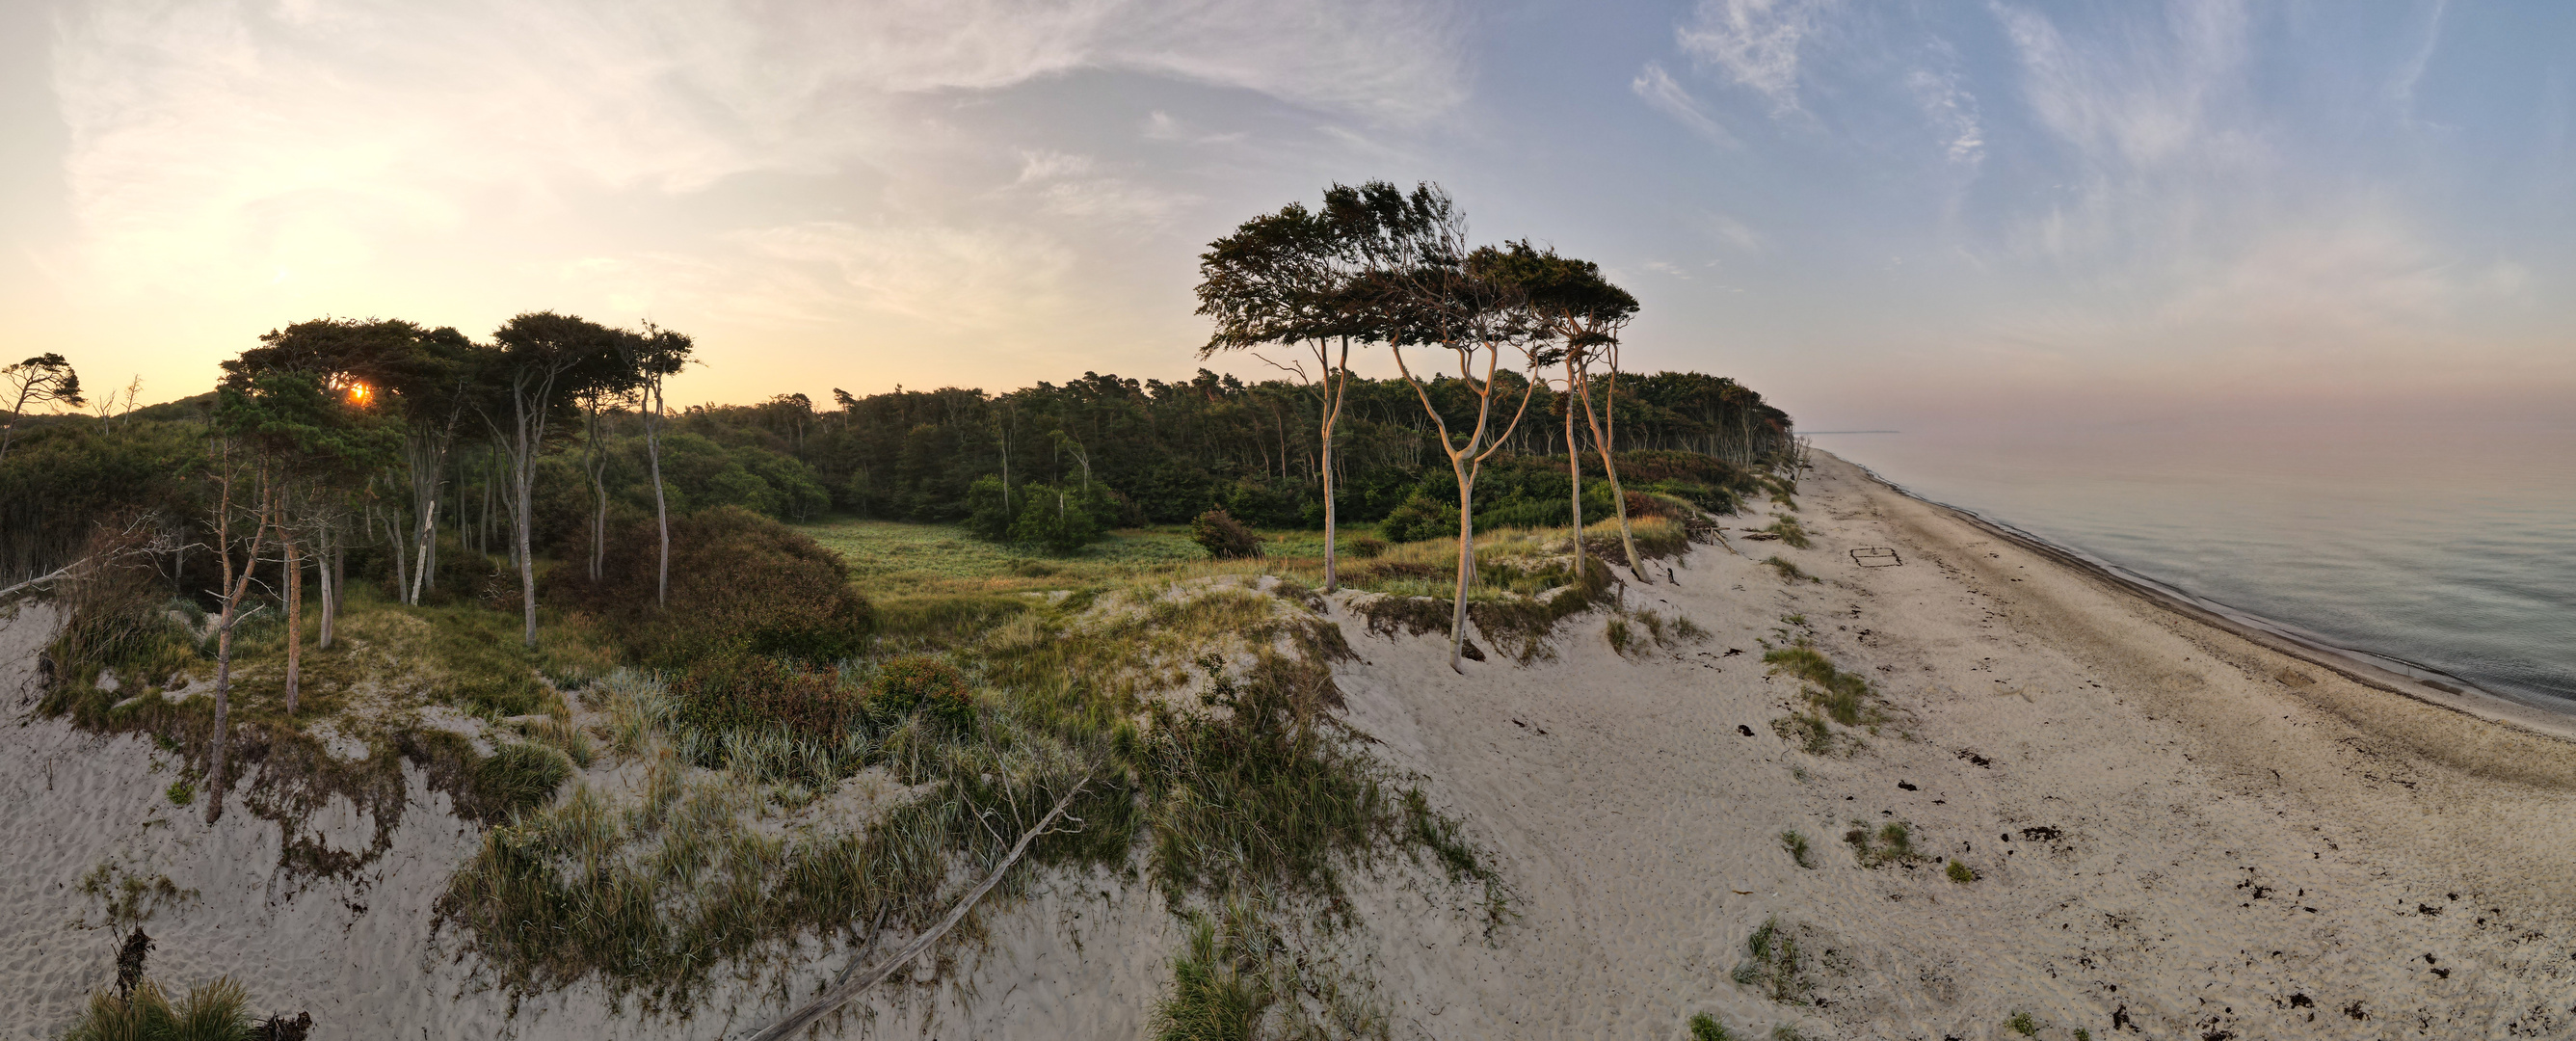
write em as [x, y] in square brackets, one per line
[215, 145]
[1658, 89]
[1953, 111]
[1754, 42]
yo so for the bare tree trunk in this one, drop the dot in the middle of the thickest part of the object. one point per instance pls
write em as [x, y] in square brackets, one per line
[322, 574]
[1574, 468]
[661, 507]
[235, 585]
[427, 556]
[1601, 438]
[294, 618]
[1332, 414]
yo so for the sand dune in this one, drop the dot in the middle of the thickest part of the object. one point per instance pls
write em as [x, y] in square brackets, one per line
[2174, 829]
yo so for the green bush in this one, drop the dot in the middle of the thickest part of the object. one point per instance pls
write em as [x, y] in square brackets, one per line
[1421, 517]
[1062, 520]
[1364, 547]
[925, 684]
[1223, 537]
[741, 583]
[749, 691]
[1705, 1027]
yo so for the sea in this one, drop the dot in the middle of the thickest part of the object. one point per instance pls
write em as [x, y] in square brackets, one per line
[2445, 550]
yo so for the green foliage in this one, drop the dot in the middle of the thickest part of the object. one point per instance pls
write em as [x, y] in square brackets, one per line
[1421, 517]
[2022, 1023]
[1061, 520]
[1218, 992]
[518, 776]
[730, 692]
[919, 683]
[181, 792]
[1223, 537]
[1960, 873]
[1364, 547]
[740, 584]
[1705, 1027]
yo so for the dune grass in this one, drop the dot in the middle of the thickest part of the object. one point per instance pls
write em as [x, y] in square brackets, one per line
[1239, 794]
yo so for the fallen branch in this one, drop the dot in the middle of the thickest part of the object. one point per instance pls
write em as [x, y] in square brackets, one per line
[844, 991]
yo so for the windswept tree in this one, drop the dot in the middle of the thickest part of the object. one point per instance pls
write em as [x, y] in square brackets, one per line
[1287, 278]
[425, 377]
[316, 439]
[652, 357]
[1584, 313]
[546, 361]
[45, 379]
[1425, 286]
[243, 492]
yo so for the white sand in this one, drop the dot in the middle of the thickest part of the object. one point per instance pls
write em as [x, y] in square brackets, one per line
[2202, 806]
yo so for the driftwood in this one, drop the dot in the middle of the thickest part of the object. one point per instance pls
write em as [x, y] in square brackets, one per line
[850, 988]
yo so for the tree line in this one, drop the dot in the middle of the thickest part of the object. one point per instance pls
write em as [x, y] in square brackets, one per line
[438, 460]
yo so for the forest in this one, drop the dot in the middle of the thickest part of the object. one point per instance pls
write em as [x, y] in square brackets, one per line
[1164, 451]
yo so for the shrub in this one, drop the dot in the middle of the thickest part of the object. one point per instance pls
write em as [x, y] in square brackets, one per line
[1705, 1027]
[1365, 547]
[1223, 537]
[749, 691]
[2022, 1023]
[519, 776]
[921, 683]
[1421, 517]
[212, 1011]
[1961, 873]
[741, 583]
[1060, 520]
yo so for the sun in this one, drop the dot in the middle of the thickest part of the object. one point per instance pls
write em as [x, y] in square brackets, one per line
[361, 394]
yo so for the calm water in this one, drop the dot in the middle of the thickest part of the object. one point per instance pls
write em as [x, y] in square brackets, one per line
[2453, 547]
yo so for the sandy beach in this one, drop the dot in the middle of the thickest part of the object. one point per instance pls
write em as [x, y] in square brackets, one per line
[2176, 830]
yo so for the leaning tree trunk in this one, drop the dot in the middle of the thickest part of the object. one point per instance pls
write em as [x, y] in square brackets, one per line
[1574, 471]
[1609, 467]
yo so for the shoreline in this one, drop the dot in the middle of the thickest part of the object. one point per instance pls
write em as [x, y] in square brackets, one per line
[2361, 666]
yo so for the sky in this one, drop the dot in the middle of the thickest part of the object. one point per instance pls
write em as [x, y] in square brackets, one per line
[1878, 213]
